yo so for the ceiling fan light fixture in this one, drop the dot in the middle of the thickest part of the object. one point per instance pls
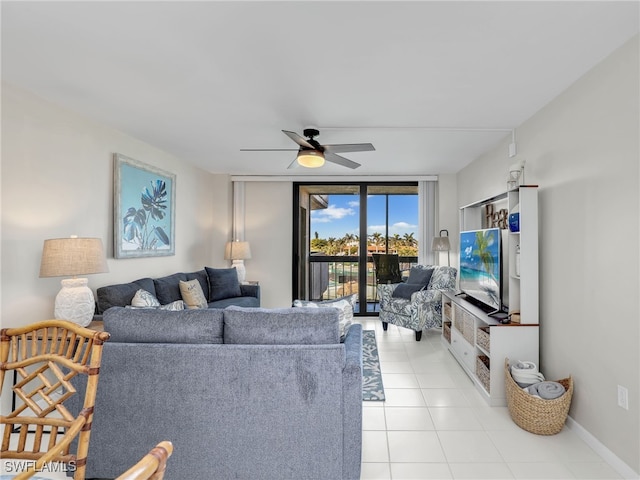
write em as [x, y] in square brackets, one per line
[310, 158]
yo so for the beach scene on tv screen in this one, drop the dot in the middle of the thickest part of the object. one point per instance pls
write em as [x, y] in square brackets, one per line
[480, 265]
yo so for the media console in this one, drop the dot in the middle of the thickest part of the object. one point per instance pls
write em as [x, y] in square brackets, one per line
[480, 344]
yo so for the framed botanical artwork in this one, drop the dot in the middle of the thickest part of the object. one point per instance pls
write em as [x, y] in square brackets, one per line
[144, 209]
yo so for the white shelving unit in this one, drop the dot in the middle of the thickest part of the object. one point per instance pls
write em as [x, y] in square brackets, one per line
[478, 341]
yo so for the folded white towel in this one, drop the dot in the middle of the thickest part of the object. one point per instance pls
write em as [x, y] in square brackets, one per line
[526, 373]
[546, 390]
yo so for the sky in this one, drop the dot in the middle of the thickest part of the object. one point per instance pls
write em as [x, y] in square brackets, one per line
[342, 216]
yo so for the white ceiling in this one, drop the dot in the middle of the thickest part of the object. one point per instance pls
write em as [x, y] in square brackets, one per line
[426, 82]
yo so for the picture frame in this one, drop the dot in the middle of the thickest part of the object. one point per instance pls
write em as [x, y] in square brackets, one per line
[144, 209]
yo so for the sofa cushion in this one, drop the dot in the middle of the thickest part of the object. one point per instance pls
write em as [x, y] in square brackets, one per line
[223, 283]
[192, 294]
[121, 294]
[404, 290]
[243, 301]
[168, 288]
[161, 326]
[142, 299]
[284, 326]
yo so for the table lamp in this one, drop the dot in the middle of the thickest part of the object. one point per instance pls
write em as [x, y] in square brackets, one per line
[238, 252]
[73, 256]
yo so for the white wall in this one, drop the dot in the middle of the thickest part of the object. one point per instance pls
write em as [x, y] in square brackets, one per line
[57, 180]
[269, 229]
[447, 214]
[583, 151]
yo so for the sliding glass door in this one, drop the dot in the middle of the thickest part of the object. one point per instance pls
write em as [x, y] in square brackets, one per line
[338, 226]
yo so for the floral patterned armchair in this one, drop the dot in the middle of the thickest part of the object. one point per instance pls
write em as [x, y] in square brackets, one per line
[424, 307]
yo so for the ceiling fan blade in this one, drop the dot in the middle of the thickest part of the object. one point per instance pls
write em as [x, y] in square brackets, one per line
[298, 139]
[350, 147]
[268, 149]
[345, 162]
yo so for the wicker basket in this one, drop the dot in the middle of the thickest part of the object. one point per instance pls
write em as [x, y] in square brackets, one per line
[446, 331]
[468, 331]
[458, 319]
[483, 371]
[483, 340]
[447, 311]
[537, 415]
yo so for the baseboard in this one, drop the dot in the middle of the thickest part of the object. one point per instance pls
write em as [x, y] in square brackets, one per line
[611, 458]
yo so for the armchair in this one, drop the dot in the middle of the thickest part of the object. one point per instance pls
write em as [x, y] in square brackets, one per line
[423, 309]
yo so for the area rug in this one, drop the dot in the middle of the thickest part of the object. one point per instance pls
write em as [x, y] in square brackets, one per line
[372, 388]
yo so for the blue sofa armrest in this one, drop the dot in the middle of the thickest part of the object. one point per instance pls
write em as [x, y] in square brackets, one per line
[352, 403]
[250, 290]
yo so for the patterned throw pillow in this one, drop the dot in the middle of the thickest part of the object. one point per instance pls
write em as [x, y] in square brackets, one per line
[143, 299]
[173, 306]
[192, 294]
[343, 305]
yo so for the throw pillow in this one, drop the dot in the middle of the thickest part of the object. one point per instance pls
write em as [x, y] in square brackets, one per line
[223, 283]
[420, 275]
[192, 294]
[404, 290]
[343, 305]
[143, 299]
[173, 306]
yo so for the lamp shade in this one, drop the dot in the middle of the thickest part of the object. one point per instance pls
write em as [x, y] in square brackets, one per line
[310, 158]
[441, 243]
[72, 256]
[237, 251]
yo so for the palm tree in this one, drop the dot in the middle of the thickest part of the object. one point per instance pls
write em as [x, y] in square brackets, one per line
[376, 240]
[484, 240]
[396, 242]
[409, 240]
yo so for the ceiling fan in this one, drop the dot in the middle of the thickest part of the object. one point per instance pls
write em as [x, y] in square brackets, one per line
[313, 155]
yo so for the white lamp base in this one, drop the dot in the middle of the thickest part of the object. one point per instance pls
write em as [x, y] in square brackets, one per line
[240, 269]
[75, 302]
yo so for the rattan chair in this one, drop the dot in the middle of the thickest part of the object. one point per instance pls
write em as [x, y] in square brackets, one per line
[152, 465]
[44, 357]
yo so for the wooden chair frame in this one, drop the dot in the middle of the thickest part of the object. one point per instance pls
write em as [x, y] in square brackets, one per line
[46, 356]
[152, 466]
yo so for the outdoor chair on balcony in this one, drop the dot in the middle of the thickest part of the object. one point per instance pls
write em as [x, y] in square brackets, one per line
[416, 304]
[387, 268]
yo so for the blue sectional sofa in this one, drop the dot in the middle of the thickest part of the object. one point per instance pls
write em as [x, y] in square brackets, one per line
[246, 393]
[219, 285]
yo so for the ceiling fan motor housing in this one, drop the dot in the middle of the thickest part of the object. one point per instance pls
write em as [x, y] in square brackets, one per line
[311, 132]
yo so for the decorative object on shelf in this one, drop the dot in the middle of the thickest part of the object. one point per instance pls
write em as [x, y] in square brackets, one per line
[71, 257]
[517, 261]
[144, 212]
[238, 252]
[516, 175]
[514, 219]
[441, 244]
[496, 218]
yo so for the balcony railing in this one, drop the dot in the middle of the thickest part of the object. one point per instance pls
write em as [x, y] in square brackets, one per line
[336, 276]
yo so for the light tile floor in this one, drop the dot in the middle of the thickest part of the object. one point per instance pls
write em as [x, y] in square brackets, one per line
[435, 425]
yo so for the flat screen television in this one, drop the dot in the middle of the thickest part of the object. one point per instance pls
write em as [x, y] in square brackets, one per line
[480, 267]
